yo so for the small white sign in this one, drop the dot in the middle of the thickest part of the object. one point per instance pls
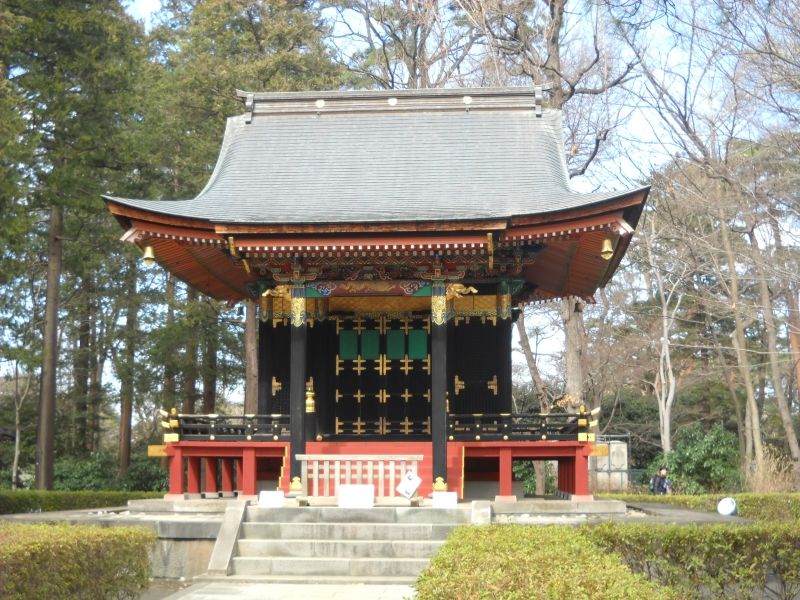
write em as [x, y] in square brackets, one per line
[270, 499]
[408, 485]
[445, 500]
[355, 495]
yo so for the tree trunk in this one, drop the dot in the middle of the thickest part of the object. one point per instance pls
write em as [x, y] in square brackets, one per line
[740, 343]
[190, 372]
[250, 359]
[737, 405]
[47, 396]
[19, 399]
[772, 345]
[169, 367]
[128, 372]
[81, 368]
[530, 359]
[210, 344]
[574, 350]
[794, 335]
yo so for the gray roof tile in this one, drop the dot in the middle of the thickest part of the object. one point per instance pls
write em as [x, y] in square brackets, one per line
[427, 164]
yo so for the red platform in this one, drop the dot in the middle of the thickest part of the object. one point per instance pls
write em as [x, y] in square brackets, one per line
[239, 466]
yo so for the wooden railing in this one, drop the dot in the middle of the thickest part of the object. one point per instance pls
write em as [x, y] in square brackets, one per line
[522, 427]
[322, 474]
[260, 428]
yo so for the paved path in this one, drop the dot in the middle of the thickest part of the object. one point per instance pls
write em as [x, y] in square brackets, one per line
[282, 591]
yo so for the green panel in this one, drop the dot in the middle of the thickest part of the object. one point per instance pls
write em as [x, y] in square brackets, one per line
[370, 345]
[417, 344]
[395, 344]
[348, 345]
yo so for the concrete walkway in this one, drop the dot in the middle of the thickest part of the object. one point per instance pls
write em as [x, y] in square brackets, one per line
[282, 591]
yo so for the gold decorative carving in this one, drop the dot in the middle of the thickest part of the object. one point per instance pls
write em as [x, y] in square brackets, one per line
[426, 364]
[458, 385]
[298, 311]
[439, 309]
[406, 365]
[383, 365]
[358, 365]
[406, 395]
[279, 291]
[311, 405]
[504, 305]
[296, 485]
[382, 396]
[439, 485]
[277, 386]
[458, 290]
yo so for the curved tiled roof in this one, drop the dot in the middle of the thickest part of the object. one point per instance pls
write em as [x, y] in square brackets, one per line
[377, 157]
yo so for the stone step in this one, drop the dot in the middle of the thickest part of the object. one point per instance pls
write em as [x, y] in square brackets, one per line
[317, 566]
[337, 548]
[311, 580]
[378, 514]
[345, 531]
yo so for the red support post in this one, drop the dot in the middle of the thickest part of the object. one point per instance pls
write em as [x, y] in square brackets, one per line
[249, 471]
[176, 471]
[227, 474]
[239, 473]
[211, 475]
[193, 484]
[506, 474]
[581, 474]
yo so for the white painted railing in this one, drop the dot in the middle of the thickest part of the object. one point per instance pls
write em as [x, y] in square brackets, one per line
[323, 473]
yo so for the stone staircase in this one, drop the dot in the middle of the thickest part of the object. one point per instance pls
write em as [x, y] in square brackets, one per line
[386, 545]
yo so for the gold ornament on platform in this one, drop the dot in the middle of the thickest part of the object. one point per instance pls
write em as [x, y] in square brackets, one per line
[439, 485]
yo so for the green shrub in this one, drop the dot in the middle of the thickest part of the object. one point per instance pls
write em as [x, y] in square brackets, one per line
[710, 561]
[94, 472]
[73, 562]
[99, 471]
[22, 501]
[759, 507]
[702, 461]
[508, 562]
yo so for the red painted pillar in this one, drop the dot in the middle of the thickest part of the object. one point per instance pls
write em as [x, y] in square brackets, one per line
[239, 473]
[506, 475]
[563, 469]
[581, 473]
[227, 474]
[176, 471]
[249, 472]
[193, 484]
[211, 475]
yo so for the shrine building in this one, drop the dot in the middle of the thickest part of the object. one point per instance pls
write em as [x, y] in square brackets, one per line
[387, 240]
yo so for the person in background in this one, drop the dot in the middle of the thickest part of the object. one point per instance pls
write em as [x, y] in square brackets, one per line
[660, 485]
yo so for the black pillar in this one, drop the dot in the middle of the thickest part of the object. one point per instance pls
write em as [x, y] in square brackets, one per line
[504, 326]
[439, 381]
[265, 330]
[297, 377]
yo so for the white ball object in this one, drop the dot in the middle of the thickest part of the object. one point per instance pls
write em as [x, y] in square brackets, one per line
[727, 507]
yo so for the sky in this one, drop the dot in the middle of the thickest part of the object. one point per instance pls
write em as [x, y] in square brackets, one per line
[142, 9]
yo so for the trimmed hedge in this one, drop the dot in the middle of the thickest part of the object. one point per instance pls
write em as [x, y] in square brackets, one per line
[22, 501]
[759, 507]
[513, 562]
[73, 562]
[710, 561]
